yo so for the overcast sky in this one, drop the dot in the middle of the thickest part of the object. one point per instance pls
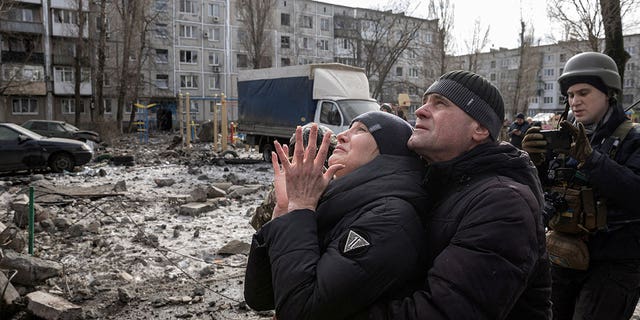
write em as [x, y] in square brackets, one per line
[503, 17]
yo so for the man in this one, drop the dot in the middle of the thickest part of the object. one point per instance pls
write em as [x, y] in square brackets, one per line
[605, 165]
[517, 130]
[487, 257]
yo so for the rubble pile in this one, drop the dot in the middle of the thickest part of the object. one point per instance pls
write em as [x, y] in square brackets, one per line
[158, 233]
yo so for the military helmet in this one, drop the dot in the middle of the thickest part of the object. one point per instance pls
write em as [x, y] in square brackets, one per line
[306, 130]
[590, 64]
[386, 108]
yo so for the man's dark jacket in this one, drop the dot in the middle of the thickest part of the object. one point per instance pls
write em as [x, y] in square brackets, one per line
[299, 262]
[516, 140]
[486, 241]
[618, 181]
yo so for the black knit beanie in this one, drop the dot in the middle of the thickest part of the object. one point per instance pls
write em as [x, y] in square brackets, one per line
[475, 95]
[390, 132]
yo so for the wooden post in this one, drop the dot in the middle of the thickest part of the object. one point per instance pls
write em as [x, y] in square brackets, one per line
[180, 117]
[224, 126]
[215, 123]
[188, 108]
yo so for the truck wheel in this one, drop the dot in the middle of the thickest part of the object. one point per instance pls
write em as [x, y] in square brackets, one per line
[228, 154]
[60, 162]
[266, 152]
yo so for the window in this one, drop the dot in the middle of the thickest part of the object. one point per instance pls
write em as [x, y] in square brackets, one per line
[324, 45]
[189, 82]
[285, 62]
[162, 81]
[399, 71]
[242, 35]
[563, 57]
[243, 61]
[161, 30]
[630, 50]
[21, 14]
[214, 34]
[108, 108]
[188, 56]
[548, 58]
[214, 59]
[214, 82]
[213, 9]
[330, 114]
[186, 31]
[429, 38]
[324, 24]
[162, 56]
[63, 74]
[627, 99]
[284, 42]
[65, 16]
[305, 43]
[630, 66]
[285, 19]
[187, 6]
[307, 22]
[548, 85]
[548, 100]
[548, 72]
[493, 76]
[107, 81]
[344, 43]
[161, 5]
[414, 72]
[629, 83]
[69, 106]
[24, 106]
[493, 64]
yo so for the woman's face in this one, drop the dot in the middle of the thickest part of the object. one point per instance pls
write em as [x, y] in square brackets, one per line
[356, 147]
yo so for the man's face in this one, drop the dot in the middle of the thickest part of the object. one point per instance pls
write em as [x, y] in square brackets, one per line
[443, 131]
[587, 103]
[519, 121]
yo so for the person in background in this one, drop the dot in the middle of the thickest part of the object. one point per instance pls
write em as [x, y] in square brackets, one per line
[517, 130]
[603, 174]
[486, 254]
[360, 242]
[385, 107]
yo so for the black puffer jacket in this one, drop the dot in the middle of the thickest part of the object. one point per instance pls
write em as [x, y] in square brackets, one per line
[486, 241]
[618, 181]
[315, 274]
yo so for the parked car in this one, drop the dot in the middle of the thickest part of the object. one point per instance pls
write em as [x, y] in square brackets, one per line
[22, 149]
[61, 129]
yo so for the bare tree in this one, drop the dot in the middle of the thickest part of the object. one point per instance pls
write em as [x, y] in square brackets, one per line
[99, 74]
[79, 60]
[385, 37]
[443, 11]
[256, 16]
[526, 77]
[475, 45]
[580, 20]
[614, 41]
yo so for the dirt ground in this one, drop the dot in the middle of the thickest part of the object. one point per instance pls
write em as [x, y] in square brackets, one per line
[129, 253]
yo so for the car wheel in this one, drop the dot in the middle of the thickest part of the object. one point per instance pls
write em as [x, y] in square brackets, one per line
[60, 162]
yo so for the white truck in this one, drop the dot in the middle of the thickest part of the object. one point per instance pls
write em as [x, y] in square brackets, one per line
[273, 101]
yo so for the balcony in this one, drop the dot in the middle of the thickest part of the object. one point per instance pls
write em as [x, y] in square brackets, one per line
[21, 26]
[68, 88]
[24, 88]
[63, 60]
[22, 57]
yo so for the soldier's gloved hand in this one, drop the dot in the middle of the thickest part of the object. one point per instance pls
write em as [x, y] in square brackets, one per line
[580, 146]
[535, 145]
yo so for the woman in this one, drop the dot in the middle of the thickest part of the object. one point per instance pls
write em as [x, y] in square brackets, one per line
[365, 241]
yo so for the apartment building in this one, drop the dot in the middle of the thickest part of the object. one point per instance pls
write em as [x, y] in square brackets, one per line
[542, 65]
[189, 47]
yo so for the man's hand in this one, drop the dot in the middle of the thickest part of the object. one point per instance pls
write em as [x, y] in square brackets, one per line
[305, 180]
[580, 147]
[535, 145]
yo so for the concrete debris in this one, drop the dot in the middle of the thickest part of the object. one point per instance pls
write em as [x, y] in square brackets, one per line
[194, 209]
[50, 307]
[235, 247]
[31, 270]
[11, 295]
[13, 238]
[161, 182]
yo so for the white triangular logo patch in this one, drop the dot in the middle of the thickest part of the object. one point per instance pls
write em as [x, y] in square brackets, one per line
[354, 241]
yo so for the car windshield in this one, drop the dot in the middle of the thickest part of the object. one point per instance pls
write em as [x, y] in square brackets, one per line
[353, 108]
[24, 131]
[69, 127]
